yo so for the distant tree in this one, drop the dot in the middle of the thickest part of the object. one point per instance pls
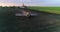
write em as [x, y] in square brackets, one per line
[0, 6]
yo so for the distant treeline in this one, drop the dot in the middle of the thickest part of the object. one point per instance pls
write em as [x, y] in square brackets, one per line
[9, 6]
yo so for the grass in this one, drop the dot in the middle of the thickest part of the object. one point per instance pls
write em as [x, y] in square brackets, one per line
[47, 9]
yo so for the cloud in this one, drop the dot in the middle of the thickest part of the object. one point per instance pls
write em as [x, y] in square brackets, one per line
[9, 4]
[12, 4]
[29, 2]
[25, 0]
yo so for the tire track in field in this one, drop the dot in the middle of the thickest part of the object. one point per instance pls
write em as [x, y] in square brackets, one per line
[44, 22]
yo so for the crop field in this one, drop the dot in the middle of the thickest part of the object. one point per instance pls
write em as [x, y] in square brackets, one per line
[44, 22]
[47, 9]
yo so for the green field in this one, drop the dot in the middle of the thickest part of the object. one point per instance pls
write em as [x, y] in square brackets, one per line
[44, 9]
[47, 9]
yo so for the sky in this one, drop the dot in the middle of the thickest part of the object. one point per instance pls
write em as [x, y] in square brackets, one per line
[30, 2]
